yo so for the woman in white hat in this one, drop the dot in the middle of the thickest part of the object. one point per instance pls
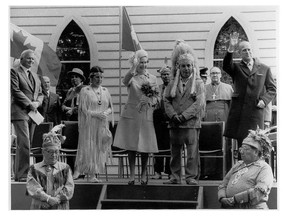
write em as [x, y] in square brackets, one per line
[135, 131]
[249, 182]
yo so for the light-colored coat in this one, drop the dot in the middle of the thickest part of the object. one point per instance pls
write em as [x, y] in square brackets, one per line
[135, 131]
[189, 105]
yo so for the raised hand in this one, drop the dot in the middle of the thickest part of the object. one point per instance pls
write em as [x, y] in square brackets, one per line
[233, 40]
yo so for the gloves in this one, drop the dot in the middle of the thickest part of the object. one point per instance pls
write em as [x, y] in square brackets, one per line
[178, 119]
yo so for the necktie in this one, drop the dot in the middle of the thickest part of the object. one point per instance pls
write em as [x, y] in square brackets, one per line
[30, 78]
[249, 65]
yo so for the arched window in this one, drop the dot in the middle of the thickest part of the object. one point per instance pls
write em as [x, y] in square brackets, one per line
[222, 43]
[73, 51]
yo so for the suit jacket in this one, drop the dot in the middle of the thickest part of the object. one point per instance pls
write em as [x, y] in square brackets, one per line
[250, 87]
[189, 105]
[23, 93]
[53, 109]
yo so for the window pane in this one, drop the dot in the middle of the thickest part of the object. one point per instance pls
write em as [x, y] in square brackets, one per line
[73, 44]
[223, 38]
[222, 43]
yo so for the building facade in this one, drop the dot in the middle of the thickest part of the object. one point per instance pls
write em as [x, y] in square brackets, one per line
[96, 31]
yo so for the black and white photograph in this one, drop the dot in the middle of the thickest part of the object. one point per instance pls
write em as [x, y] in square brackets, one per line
[138, 106]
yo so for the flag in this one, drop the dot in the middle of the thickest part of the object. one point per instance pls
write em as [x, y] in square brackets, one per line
[47, 62]
[130, 40]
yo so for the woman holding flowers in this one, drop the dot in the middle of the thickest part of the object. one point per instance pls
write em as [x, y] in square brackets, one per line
[135, 131]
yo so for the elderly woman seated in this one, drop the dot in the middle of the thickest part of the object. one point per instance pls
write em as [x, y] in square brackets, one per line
[249, 182]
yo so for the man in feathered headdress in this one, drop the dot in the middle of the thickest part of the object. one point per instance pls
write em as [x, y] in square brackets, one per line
[249, 182]
[50, 182]
[184, 101]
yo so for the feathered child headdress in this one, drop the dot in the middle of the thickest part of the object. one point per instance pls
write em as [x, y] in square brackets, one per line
[182, 51]
[260, 140]
[54, 138]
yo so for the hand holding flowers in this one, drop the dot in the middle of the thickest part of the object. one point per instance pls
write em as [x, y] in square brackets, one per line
[149, 93]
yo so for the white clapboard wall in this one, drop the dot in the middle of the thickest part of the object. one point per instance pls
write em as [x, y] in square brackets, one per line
[157, 28]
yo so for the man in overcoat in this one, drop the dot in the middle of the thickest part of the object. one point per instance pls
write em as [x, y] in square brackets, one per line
[26, 96]
[254, 88]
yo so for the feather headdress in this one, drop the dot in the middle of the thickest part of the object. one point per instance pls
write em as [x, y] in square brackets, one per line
[54, 138]
[260, 140]
[183, 51]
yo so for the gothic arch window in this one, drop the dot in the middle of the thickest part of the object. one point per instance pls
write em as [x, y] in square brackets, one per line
[73, 51]
[222, 42]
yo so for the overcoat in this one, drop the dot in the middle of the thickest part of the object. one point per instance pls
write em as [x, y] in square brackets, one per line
[135, 131]
[249, 88]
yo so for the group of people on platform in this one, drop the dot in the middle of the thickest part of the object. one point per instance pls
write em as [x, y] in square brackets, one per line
[154, 118]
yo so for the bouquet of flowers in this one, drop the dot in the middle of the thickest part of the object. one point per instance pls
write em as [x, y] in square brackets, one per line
[149, 92]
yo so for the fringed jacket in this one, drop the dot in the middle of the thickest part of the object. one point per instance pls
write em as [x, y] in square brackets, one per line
[38, 180]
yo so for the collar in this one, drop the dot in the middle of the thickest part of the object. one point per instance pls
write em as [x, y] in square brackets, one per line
[242, 165]
[43, 164]
[24, 68]
[186, 80]
[251, 62]
[146, 74]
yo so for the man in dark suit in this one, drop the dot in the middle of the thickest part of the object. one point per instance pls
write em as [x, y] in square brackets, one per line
[26, 96]
[254, 89]
[52, 108]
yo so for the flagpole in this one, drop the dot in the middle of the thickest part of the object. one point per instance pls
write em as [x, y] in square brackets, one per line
[120, 57]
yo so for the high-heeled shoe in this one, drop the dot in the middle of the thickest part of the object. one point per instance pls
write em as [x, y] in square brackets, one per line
[94, 180]
[77, 175]
[131, 182]
[144, 182]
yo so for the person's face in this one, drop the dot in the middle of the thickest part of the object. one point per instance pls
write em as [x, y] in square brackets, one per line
[96, 78]
[186, 68]
[75, 79]
[143, 63]
[245, 51]
[248, 153]
[165, 76]
[28, 60]
[50, 155]
[204, 79]
[215, 75]
[46, 83]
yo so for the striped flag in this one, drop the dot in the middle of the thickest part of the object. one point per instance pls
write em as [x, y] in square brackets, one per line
[130, 40]
[47, 62]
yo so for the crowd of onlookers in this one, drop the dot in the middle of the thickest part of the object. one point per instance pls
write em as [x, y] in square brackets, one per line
[154, 118]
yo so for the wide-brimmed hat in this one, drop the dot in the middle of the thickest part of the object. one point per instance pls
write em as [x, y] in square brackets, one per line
[78, 72]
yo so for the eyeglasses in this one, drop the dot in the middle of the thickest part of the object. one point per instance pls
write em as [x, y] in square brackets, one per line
[52, 152]
[215, 73]
[74, 76]
[244, 148]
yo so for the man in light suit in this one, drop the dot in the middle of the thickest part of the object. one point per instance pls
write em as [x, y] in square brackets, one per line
[52, 109]
[254, 89]
[26, 96]
[184, 101]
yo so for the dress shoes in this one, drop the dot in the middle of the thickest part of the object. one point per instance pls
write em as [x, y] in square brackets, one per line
[172, 181]
[191, 182]
[157, 176]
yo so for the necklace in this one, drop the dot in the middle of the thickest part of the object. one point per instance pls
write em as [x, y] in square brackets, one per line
[98, 94]
[214, 93]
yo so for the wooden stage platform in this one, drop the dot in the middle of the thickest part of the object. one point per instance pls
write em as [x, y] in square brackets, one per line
[116, 194]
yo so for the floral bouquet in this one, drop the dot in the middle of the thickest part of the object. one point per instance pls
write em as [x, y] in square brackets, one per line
[149, 92]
